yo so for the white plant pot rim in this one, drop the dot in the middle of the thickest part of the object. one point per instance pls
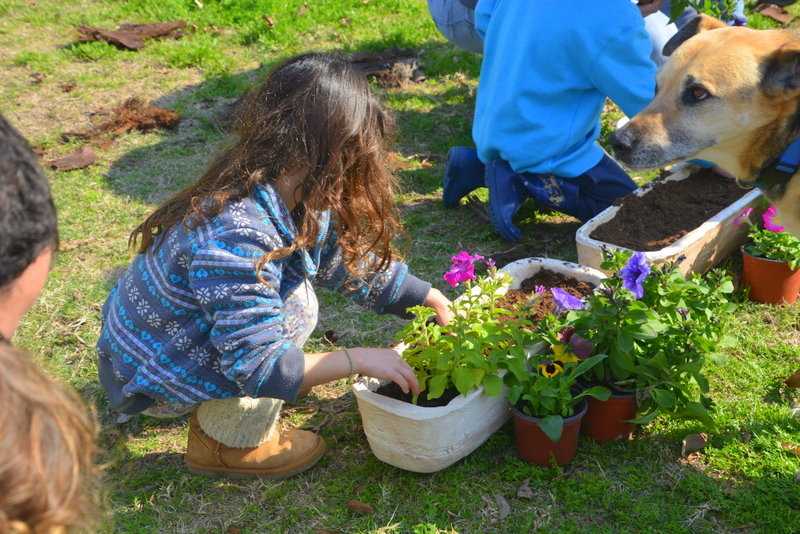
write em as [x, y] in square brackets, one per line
[679, 172]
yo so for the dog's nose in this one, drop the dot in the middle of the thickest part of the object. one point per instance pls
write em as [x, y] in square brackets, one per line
[621, 143]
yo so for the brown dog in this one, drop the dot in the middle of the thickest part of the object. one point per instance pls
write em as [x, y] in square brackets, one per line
[728, 95]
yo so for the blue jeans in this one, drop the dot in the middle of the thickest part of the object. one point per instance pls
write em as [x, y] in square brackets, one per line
[457, 23]
[599, 187]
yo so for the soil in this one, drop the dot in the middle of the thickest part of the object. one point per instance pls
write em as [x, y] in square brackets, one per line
[668, 211]
[544, 305]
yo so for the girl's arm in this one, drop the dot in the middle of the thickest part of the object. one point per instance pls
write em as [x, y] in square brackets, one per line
[383, 364]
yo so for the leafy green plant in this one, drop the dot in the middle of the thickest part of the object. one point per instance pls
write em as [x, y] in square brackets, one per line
[714, 8]
[548, 391]
[657, 328]
[772, 241]
[476, 345]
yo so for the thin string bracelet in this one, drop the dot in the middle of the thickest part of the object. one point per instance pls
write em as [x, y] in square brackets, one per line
[352, 367]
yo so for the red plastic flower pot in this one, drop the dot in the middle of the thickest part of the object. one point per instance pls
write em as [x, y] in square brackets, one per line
[535, 447]
[605, 420]
[770, 281]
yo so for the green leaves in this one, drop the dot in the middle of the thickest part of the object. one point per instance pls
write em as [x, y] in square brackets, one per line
[553, 426]
[658, 344]
[473, 348]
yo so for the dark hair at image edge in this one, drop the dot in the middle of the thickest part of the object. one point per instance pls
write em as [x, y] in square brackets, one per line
[28, 221]
[314, 112]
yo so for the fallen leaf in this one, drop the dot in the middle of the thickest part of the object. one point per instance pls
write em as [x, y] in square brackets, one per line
[794, 380]
[37, 78]
[345, 21]
[525, 491]
[794, 449]
[67, 87]
[234, 530]
[360, 507]
[78, 159]
[774, 12]
[503, 507]
[124, 418]
[130, 35]
[303, 9]
[746, 437]
[270, 21]
[359, 489]
[693, 442]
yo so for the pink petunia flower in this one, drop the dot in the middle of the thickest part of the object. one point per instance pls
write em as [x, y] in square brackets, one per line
[743, 217]
[772, 220]
[463, 268]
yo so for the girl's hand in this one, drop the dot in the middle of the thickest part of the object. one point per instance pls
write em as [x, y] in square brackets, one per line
[441, 305]
[385, 364]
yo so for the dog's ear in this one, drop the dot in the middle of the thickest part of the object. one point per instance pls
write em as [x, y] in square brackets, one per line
[782, 70]
[698, 24]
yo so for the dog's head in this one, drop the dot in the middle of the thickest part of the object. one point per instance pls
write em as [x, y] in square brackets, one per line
[727, 94]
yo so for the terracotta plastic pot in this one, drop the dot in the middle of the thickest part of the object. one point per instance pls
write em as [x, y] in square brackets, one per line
[535, 447]
[770, 281]
[605, 420]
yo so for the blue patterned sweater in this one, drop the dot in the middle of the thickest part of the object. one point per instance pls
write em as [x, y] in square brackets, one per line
[189, 321]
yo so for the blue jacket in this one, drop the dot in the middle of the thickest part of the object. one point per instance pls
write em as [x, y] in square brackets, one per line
[547, 70]
[190, 321]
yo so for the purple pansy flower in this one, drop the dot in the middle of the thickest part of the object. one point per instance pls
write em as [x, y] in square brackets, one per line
[573, 348]
[634, 273]
[463, 268]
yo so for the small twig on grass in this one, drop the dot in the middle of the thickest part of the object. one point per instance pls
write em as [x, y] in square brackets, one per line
[478, 207]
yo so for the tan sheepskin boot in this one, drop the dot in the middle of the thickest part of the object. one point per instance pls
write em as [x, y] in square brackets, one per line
[272, 453]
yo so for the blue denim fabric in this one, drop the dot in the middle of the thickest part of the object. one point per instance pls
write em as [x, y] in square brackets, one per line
[457, 23]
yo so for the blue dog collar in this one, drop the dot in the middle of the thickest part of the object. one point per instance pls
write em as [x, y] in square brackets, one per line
[781, 169]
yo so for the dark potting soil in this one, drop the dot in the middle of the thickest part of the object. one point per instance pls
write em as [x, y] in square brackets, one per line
[668, 211]
[544, 305]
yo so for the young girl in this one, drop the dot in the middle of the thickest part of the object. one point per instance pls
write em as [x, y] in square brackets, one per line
[212, 315]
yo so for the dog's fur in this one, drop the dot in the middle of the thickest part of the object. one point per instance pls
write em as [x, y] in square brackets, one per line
[728, 95]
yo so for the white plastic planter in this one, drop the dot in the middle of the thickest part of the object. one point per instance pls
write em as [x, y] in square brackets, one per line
[425, 440]
[704, 247]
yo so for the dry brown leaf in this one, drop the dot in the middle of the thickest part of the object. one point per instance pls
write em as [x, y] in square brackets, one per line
[360, 507]
[774, 12]
[525, 491]
[693, 442]
[270, 21]
[503, 508]
[793, 449]
[303, 9]
[79, 158]
[794, 380]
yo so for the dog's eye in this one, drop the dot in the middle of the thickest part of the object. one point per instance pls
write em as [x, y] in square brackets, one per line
[698, 92]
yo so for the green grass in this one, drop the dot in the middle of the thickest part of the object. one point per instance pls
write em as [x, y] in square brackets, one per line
[742, 482]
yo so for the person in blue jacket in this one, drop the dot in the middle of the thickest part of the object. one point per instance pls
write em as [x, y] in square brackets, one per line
[212, 315]
[540, 97]
[455, 20]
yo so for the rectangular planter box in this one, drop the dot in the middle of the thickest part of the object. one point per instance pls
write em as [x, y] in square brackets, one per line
[703, 247]
[426, 440]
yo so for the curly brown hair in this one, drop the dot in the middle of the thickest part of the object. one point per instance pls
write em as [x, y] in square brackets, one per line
[47, 446]
[315, 114]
